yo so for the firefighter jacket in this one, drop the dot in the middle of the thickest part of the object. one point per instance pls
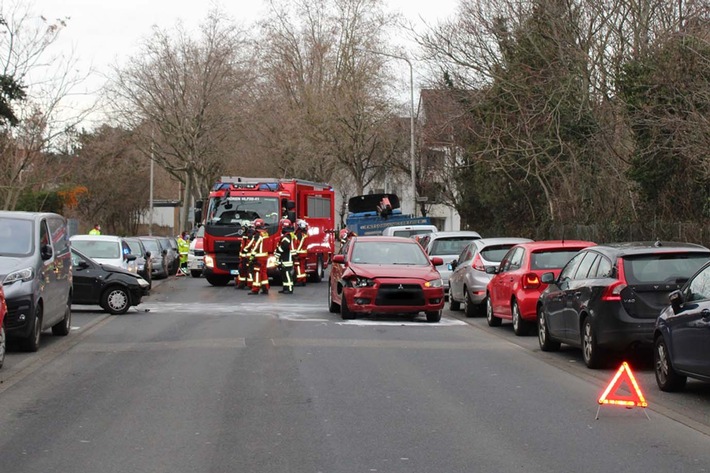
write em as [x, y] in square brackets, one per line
[248, 241]
[283, 250]
[257, 249]
[299, 244]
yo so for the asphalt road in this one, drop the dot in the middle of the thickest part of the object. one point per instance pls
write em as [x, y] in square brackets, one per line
[212, 380]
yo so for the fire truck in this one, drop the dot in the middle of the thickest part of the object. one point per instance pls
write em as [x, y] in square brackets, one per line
[235, 202]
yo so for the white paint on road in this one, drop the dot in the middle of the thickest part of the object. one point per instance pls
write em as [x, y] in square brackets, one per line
[296, 312]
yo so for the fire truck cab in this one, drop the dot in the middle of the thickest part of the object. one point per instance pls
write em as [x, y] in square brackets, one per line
[235, 202]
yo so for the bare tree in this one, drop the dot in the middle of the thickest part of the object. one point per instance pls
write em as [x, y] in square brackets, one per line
[184, 97]
[326, 116]
[46, 116]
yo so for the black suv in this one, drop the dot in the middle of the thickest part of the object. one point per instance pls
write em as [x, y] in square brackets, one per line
[607, 297]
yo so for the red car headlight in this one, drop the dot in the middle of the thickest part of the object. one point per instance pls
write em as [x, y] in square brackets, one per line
[360, 282]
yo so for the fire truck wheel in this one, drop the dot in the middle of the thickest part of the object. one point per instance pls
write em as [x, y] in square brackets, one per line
[317, 276]
[218, 280]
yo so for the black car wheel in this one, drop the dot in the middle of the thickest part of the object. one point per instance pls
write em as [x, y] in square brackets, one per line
[116, 300]
[333, 308]
[590, 350]
[520, 326]
[64, 326]
[492, 320]
[31, 343]
[453, 304]
[667, 378]
[543, 333]
[195, 273]
[433, 316]
[345, 312]
[469, 308]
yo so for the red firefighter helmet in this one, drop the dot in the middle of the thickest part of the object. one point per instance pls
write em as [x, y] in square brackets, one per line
[285, 223]
[343, 234]
[259, 223]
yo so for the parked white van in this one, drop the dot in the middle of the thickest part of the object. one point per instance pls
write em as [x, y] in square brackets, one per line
[409, 230]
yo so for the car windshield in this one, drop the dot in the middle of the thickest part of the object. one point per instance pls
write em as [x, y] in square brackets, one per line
[135, 246]
[152, 246]
[98, 249]
[243, 210]
[449, 246]
[495, 254]
[551, 259]
[405, 253]
[666, 267]
[410, 233]
[16, 237]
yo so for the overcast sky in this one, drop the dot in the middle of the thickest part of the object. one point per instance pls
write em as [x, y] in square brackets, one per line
[104, 32]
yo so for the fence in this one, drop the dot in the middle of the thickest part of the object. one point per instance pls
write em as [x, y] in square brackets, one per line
[692, 232]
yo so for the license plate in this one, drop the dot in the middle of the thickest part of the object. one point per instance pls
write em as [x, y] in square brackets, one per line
[234, 272]
[200, 265]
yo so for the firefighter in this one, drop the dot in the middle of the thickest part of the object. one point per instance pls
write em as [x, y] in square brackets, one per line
[259, 256]
[244, 279]
[299, 251]
[284, 258]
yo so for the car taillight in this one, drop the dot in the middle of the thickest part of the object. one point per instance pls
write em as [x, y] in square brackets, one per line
[531, 281]
[477, 264]
[613, 292]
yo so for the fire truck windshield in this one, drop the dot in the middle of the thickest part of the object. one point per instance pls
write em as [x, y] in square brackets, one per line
[242, 210]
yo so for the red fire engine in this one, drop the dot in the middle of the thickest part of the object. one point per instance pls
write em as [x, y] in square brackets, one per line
[235, 202]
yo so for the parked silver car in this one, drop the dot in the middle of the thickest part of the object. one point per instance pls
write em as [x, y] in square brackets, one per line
[469, 280]
[448, 246]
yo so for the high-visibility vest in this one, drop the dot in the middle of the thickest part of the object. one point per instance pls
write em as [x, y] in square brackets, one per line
[258, 247]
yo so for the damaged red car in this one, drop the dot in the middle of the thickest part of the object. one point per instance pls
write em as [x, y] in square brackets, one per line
[385, 275]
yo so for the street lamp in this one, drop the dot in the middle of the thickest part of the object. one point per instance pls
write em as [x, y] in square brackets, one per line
[412, 163]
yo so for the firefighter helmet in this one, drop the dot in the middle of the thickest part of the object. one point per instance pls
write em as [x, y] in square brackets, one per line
[259, 223]
[302, 224]
[344, 235]
[285, 223]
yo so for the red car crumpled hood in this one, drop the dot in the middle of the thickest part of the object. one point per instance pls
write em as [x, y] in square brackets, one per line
[394, 271]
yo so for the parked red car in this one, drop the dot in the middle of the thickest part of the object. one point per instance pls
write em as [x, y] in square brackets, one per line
[514, 290]
[385, 275]
[3, 312]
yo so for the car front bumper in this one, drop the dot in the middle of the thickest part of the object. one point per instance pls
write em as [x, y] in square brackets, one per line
[375, 300]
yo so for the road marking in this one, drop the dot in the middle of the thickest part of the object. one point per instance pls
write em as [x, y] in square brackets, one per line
[294, 312]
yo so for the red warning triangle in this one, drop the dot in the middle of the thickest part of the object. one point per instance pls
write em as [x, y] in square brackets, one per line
[612, 396]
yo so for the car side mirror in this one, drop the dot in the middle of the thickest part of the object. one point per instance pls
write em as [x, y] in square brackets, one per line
[82, 265]
[437, 260]
[131, 257]
[547, 278]
[340, 259]
[491, 269]
[453, 265]
[676, 298]
[46, 252]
